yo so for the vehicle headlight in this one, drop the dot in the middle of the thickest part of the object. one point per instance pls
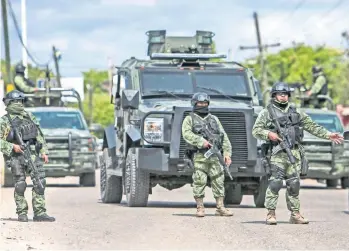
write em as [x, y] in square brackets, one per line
[154, 129]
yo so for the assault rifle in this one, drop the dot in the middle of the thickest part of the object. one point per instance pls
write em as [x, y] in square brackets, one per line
[285, 144]
[27, 156]
[216, 145]
[214, 150]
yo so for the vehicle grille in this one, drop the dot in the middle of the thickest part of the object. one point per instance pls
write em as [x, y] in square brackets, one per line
[234, 124]
[59, 149]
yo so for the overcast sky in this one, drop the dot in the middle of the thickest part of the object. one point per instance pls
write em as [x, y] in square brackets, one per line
[89, 31]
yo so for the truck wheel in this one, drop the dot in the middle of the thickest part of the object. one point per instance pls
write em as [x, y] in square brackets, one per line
[136, 182]
[332, 183]
[233, 195]
[88, 179]
[345, 182]
[110, 185]
[259, 196]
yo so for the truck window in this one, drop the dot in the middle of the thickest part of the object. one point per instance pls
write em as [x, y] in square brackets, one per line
[65, 120]
[330, 121]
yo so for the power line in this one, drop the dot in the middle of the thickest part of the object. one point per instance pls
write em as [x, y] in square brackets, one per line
[333, 8]
[14, 19]
[300, 3]
[326, 13]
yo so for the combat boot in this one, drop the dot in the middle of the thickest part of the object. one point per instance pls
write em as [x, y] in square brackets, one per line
[200, 207]
[43, 217]
[23, 218]
[221, 210]
[271, 217]
[297, 218]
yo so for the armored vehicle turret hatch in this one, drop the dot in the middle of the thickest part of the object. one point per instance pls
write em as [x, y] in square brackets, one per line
[144, 147]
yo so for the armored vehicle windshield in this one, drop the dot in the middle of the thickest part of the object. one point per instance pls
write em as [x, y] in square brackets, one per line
[186, 82]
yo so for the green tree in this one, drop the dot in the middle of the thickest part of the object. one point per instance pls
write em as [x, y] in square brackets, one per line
[95, 78]
[103, 110]
[294, 65]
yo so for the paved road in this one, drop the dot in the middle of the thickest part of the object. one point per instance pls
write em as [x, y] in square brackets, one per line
[83, 222]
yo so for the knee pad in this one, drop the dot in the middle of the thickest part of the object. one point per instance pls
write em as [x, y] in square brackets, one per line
[275, 185]
[20, 187]
[293, 186]
[39, 190]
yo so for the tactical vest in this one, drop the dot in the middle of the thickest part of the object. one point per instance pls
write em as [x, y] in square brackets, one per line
[324, 88]
[210, 123]
[290, 123]
[26, 129]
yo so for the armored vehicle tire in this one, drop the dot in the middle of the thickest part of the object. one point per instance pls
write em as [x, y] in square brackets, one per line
[345, 182]
[259, 195]
[233, 195]
[332, 183]
[88, 179]
[137, 182]
[111, 186]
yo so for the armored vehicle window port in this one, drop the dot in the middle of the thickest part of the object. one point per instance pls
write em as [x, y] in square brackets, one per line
[144, 147]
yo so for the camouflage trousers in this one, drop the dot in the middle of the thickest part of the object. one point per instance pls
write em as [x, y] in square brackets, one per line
[207, 168]
[282, 169]
[19, 170]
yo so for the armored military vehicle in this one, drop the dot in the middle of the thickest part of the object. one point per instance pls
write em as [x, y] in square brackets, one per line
[144, 147]
[72, 151]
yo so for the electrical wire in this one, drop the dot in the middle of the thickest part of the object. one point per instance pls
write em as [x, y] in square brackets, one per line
[14, 19]
[300, 3]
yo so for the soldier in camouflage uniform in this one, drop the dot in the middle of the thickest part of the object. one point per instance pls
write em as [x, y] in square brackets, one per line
[198, 145]
[23, 84]
[29, 129]
[292, 121]
[319, 87]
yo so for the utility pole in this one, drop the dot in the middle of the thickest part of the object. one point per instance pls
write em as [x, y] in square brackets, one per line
[24, 37]
[55, 59]
[110, 76]
[262, 52]
[90, 103]
[345, 35]
[6, 43]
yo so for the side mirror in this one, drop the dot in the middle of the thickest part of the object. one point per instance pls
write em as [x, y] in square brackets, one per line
[130, 99]
[346, 135]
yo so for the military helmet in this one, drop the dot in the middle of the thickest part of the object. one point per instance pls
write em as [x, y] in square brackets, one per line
[20, 68]
[200, 97]
[316, 69]
[13, 95]
[280, 87]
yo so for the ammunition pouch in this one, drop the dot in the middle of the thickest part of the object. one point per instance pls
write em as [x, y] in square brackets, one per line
[266, 157]
[38, 147]
[304, 165]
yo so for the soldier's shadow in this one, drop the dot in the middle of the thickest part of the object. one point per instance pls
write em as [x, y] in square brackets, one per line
[278, 222]
[12, 219]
